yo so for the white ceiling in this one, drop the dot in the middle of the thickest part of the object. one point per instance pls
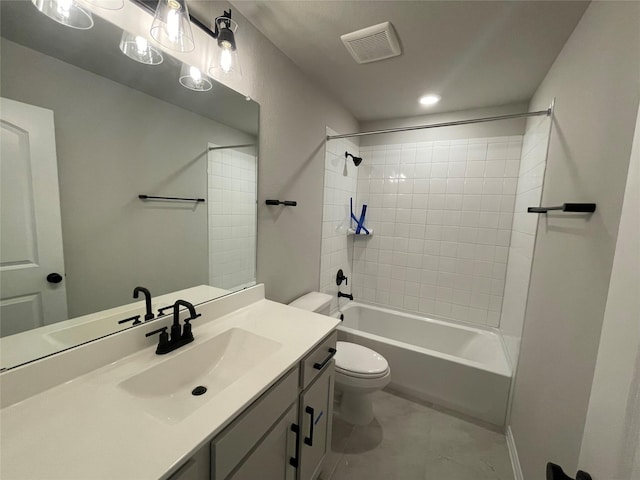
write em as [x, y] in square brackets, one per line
[473, 53]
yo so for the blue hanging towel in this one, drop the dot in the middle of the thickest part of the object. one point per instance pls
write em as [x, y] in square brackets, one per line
[361, 221]
[353, 217]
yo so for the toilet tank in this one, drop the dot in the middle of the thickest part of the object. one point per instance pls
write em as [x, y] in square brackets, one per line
[314, 302]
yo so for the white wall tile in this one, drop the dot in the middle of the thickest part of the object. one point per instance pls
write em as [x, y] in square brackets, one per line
[442, 214]
[232, 218]
[514, 275]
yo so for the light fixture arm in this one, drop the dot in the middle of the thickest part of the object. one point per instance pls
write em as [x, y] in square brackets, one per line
[150, 6]
[227, 23]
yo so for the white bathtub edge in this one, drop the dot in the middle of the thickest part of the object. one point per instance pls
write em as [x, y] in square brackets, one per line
[513, 454]
[372, 336]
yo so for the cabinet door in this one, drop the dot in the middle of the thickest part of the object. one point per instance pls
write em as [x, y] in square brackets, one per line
[196, 468]
[270, 459]
[316, 411]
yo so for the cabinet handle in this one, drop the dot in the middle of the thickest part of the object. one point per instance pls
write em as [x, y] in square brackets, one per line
[320, 366]
[309, 440]
[293, 461]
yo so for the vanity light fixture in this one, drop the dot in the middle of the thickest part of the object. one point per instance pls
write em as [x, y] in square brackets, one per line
[171, 26]
[430, 99]
[65, 12]
[193, 79]
[107, 4]
[137, 48]
[227, 58]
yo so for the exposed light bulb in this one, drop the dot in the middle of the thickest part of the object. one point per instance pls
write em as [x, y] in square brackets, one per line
[191, 77]
[226, 58]
[226, 61]
[142, 45]
[138, 48]
[196, 75]
[64, 7]
[171, 26]
[173, 23]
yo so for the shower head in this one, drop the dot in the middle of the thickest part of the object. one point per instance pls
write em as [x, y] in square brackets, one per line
[356, 160]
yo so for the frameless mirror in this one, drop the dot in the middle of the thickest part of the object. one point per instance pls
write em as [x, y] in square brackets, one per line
[86, 132]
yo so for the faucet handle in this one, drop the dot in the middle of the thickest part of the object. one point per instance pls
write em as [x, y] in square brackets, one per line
[163, 342]
[135, 318]
[187, 334]
[163, 309]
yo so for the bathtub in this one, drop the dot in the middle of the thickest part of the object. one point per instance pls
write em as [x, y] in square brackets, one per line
[459, 367]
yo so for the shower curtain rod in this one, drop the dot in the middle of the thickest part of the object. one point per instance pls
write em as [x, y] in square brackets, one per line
[445, 124]
[233, 146]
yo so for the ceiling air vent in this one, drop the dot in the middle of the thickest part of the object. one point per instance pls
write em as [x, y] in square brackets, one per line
[372, 43]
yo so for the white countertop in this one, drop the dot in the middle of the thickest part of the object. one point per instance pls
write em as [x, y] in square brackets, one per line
[90, 427]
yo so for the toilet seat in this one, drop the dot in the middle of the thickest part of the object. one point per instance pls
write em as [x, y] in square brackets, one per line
[357, 361]
[349, 373]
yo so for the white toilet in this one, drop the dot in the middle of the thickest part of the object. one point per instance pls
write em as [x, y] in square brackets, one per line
[360, 371]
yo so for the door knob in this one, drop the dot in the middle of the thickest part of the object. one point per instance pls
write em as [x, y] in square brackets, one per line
[54, 278]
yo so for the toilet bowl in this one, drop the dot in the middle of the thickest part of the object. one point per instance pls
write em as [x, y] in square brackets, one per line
[359, 371]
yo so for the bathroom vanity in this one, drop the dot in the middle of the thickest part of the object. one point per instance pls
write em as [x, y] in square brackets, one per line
[115, 409]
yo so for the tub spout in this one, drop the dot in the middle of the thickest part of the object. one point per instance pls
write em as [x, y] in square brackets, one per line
[345, 295]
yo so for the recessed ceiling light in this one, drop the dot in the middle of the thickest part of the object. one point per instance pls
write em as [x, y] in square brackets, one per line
[429, 99]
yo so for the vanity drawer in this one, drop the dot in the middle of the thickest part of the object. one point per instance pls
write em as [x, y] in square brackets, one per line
[238, 439]
[318, 360]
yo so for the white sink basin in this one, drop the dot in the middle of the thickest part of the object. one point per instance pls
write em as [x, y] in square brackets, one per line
[84, 332]
[165, 390]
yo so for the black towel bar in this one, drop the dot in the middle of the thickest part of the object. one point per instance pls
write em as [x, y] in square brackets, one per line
[179, 199]
[566, 207]
[287, 203]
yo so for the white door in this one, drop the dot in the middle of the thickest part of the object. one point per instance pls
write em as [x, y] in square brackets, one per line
[30, 231]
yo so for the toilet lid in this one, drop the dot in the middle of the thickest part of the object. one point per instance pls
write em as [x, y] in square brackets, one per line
[357, 359]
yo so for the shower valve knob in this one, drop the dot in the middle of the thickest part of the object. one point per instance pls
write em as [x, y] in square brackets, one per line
[340, 277]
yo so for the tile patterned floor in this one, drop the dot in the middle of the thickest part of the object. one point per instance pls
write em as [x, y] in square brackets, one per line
[412, 441]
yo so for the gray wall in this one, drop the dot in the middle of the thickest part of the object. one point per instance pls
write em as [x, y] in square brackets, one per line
[475, 130]
[595, 82]
[611, 442]
[294, 114]
[114, 143]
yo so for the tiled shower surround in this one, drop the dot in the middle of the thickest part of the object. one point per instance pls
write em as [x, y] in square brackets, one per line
[442, 214]
[232, 218]
[523, 235]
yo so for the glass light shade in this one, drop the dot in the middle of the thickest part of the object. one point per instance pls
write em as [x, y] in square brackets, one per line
[65, 12]
[227, 62]
[137, 48]
[171, 27]
[107, 4]
[193, 79]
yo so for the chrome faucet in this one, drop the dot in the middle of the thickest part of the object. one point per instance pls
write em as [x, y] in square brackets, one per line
[179, 336]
